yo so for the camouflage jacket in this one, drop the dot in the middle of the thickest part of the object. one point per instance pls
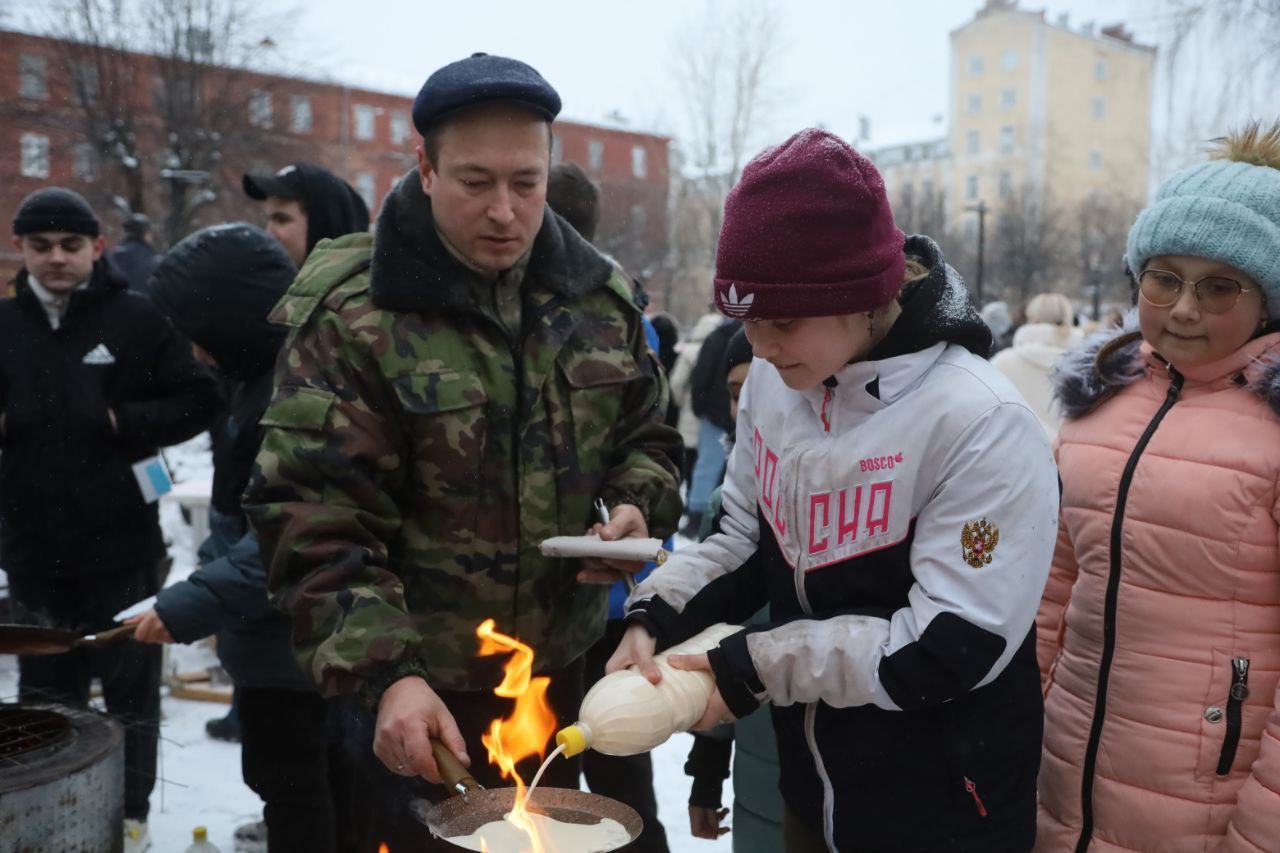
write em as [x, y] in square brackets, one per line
[415, 454]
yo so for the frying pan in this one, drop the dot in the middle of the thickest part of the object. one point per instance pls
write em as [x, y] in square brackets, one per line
[475, 806]
[35, 640]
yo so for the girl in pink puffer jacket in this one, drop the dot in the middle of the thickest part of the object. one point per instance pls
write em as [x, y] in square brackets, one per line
[1159, 632]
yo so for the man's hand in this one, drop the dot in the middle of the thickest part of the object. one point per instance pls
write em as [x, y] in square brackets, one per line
[707, 822]
[626, 521]
[717, 711]
[636, 649]
[151, 628]
[410, 713]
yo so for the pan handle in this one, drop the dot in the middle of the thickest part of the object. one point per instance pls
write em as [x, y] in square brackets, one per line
[451, 770]
[109, 635]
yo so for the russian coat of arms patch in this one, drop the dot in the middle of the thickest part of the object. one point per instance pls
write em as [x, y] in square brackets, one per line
[979, 540]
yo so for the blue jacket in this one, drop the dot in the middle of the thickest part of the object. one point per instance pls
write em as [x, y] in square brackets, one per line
[227, 596]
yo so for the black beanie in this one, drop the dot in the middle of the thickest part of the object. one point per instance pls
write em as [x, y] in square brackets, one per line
[55, 209]
[738, 351]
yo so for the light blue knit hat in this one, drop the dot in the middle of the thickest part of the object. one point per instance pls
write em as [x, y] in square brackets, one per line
[1223, 210]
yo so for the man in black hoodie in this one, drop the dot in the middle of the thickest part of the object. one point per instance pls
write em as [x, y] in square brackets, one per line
[218, 286]
[305, 204]
[92, 381]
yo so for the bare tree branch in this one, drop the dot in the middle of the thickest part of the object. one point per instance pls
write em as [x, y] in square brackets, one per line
[723, 61]
[162, 91]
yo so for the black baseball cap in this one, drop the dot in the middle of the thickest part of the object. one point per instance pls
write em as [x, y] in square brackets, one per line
[286, 183]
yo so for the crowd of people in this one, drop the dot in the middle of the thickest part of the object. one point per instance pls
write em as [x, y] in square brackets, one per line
[1028, 600]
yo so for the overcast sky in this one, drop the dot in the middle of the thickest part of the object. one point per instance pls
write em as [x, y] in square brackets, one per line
[838, 59]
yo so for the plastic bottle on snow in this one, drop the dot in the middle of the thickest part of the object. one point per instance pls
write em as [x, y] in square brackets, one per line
[200, 842]
[623, 714]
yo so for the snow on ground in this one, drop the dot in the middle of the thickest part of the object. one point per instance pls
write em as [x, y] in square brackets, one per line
[200, 782]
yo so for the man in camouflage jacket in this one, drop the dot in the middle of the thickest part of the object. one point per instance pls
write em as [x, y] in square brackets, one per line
[457, 389]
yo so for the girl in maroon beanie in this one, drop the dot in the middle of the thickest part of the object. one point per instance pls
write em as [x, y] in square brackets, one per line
[894, 502]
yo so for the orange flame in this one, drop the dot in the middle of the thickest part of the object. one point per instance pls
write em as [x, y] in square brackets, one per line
[383, 848]
[526, 732]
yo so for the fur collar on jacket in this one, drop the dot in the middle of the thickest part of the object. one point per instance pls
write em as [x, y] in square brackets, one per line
[413, 271]
[1079, 385]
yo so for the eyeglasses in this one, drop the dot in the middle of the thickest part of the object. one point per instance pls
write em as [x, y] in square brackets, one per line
[1214, 293]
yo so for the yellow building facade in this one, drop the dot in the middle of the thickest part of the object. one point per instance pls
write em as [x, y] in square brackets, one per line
[1041, 112]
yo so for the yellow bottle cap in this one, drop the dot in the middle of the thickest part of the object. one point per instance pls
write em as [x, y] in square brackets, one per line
[200, 833]
[573, 739]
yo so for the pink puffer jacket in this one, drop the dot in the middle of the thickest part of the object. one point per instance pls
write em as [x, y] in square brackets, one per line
[1141, 651]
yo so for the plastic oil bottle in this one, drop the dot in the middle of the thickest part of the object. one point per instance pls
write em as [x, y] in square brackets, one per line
[623, 714]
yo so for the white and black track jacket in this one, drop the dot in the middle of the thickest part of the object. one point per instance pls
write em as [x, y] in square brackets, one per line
[899, 520]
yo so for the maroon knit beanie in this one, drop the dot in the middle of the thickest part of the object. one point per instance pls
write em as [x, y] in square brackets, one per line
[808, 233]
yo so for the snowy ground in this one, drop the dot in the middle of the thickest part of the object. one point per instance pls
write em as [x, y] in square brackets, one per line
[200, 777]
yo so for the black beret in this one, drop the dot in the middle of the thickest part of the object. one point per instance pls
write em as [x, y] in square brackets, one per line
[55, 209]
[479, 79]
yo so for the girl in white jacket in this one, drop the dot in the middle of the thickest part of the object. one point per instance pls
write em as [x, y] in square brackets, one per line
[894, 502]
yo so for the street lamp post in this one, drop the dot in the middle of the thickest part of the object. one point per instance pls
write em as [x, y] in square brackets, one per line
[981, 209]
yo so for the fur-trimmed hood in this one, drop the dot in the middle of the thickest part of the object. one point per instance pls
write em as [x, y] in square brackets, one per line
[413, 271]
[1080, 384]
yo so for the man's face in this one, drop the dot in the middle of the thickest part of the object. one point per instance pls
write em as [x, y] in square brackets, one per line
[59, 260]
[489, 190]
[287, 222]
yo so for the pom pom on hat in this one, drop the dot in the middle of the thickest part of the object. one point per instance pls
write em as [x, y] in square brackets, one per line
[1226, 210]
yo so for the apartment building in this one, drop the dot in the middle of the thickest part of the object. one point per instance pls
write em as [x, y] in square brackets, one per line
[1042, 112]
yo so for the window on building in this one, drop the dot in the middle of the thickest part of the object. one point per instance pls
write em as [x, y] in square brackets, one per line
[971, 187]
[926, 188]
[975, 103]
[973, 142]
[366, 185]
[260, 111]
[32, 81]
[557, 149]
[907, 196]
[1006, 184]
[176, 93]
[399, 127]
[639, 163]
[975, 65]
[1099, 107]
[1095, 159]
[84, 162]
[84, 80]
[595, 154]
[638, 221]
[300, 113]
[1099, 69]
[1009, 60]
[363, 117]
[1006, 139]
[34, 155]
[1009, 98]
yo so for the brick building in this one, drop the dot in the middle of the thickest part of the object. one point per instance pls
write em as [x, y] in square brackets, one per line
[364, 136]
